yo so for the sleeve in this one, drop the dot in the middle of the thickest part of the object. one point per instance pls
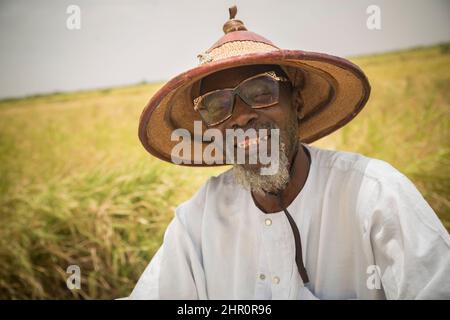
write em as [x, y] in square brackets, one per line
[147, 287]
[410, 245]
[176, 270]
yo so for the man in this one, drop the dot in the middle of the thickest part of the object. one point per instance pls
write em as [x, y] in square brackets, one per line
[325, 225]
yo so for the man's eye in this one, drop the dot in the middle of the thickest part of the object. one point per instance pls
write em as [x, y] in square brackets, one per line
[217, 104]
[262, 94]
[259, 95]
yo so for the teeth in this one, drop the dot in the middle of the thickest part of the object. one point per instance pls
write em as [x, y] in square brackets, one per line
[244, 144]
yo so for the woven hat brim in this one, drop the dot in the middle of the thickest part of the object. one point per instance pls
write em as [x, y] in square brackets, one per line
[335, 91]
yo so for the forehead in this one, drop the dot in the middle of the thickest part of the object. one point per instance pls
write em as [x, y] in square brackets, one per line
[229, 78]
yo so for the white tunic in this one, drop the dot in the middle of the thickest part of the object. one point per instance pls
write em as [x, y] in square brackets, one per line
[366, 232]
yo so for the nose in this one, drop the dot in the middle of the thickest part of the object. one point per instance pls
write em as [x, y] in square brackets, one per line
[242, 114]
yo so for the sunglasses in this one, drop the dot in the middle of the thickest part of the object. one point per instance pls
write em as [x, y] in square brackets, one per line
[259, 91]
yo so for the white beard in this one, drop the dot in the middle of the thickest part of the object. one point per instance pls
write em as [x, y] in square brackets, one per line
[252, 180]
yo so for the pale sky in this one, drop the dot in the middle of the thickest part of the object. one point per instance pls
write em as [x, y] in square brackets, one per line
[127, 41]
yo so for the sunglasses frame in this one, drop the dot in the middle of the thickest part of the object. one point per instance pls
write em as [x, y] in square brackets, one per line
[271, 74]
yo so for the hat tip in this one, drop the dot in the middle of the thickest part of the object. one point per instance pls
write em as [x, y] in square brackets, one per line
[232, 10]
[233, 24]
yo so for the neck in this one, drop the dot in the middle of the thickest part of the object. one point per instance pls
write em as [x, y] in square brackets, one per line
[299, 169]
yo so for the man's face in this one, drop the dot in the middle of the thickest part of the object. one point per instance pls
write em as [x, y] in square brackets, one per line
[282, 116]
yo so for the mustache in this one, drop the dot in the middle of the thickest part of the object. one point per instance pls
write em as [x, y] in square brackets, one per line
[259, 125]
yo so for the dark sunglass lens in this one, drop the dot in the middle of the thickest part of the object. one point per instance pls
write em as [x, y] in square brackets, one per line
[260, 91]
[216, 106]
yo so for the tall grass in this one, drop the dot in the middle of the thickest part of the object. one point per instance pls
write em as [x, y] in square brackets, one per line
[406, 121]
[77, 188]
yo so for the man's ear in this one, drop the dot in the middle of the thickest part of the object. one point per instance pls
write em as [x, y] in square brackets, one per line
[297, 102]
